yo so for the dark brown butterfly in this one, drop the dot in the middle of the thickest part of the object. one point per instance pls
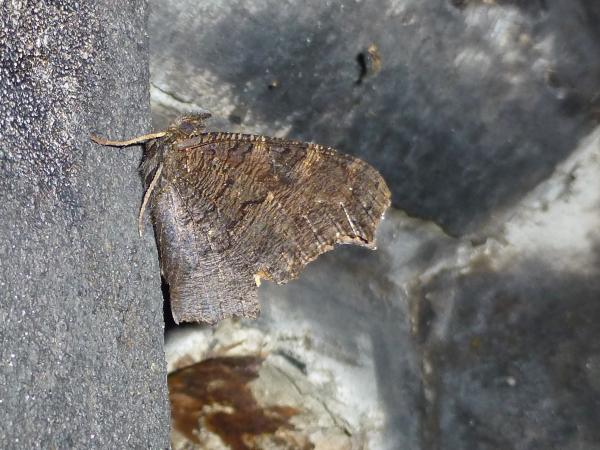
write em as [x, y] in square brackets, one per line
[231, 209]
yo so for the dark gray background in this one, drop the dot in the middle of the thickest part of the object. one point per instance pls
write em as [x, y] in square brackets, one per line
[474, 104]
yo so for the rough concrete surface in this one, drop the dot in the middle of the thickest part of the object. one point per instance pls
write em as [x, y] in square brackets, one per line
[475, 323]
[81, 333]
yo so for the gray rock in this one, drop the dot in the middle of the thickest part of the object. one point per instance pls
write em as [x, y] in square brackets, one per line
[81, 360]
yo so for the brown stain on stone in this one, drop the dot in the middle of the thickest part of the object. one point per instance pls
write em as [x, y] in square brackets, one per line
[215, 394]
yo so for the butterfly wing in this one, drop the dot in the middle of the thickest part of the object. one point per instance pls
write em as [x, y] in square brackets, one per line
[232, 209]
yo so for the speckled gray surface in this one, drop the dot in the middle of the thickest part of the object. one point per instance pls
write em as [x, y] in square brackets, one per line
[81, 333]
[482, 120]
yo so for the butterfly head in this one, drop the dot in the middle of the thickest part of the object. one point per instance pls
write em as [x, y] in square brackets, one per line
[189, 125]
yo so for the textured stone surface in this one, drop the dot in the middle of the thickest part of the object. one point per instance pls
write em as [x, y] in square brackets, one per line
[481, 120]
[81, 361]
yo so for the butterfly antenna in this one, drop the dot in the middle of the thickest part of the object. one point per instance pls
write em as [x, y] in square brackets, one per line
[147, 198]
[136, 140]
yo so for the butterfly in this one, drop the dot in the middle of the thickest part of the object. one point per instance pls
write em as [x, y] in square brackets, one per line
[232, 209]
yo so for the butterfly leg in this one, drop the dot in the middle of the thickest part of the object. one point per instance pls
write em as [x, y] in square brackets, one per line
[147, 198]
